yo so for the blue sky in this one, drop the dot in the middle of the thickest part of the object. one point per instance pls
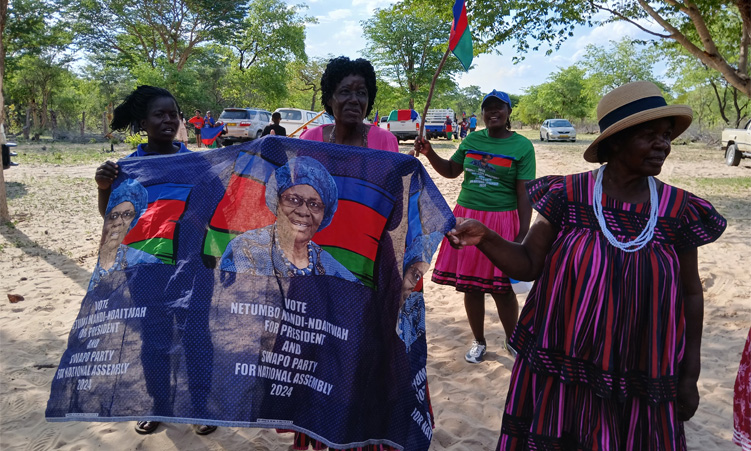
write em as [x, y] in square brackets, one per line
[339, 32]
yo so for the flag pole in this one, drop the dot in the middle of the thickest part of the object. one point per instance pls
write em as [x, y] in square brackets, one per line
[430, 93]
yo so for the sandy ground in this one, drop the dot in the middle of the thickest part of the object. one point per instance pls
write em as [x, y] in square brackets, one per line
[49, 249]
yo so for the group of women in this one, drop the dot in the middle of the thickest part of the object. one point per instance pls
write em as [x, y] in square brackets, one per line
[607, 344]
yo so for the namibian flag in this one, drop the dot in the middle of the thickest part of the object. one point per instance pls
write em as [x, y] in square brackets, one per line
[460, 39]
[352, 238]
[375, 119]
[155, 231]
[209, 134]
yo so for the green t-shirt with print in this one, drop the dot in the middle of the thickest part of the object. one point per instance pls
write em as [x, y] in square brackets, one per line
[491, 168]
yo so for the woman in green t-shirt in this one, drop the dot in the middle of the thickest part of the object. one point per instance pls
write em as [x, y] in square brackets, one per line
[496, 164]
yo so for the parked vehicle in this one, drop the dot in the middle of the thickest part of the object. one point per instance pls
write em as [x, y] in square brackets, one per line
[736, 142]
[404, 124]
[294, 118]
[383, 122]
[243, 124]
[557, 130]
[435, 122]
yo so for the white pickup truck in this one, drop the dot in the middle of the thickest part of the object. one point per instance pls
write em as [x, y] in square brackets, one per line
[404, 124]
[435, 123]
[736, 142]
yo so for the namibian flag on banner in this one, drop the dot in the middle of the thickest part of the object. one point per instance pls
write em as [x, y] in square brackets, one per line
[352, 238]
[210, 134]
[155, 231]
[460, 39]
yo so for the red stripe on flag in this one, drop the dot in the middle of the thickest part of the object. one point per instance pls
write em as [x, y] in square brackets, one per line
[158, 221]
[458, 27]
[354, 227]
[404, 115]
[243, 206]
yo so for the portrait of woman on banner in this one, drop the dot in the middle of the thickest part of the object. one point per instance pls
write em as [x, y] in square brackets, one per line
[126, 205]
[303, 196]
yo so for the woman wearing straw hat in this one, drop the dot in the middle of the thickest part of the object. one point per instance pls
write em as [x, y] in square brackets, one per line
[609, 338]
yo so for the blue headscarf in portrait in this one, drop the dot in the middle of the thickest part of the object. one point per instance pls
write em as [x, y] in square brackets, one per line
[131, 191]
[304, 171]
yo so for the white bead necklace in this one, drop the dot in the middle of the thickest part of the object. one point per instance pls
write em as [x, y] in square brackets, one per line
[646, 235]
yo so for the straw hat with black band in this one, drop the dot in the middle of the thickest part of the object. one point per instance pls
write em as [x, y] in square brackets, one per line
[633, 104]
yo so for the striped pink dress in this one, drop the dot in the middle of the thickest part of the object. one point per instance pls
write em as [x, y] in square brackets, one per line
[601, 336]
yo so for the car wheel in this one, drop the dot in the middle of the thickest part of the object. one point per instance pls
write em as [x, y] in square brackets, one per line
[547, 136]
[258, 134]
[541, 138]
[732, 155]
[573, 140]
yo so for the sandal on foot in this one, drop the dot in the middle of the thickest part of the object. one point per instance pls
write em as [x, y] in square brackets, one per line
[203, 429]
[147, 427]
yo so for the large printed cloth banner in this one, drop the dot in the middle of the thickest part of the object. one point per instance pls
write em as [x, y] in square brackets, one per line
[273, 284]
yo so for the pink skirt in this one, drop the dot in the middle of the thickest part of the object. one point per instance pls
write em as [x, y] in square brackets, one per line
[468, 269]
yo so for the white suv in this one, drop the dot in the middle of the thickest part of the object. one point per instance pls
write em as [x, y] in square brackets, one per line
[243, 124]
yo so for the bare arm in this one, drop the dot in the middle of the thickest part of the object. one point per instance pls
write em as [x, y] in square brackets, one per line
[693, 301]
[446, 168]
[524, 209]
[104, 176]
[521, 261]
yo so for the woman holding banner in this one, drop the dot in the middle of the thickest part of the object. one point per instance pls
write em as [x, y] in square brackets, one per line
[496, 163]
[348, 90]
[155, 111]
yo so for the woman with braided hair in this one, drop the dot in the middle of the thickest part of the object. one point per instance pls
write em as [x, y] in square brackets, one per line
[155, 111]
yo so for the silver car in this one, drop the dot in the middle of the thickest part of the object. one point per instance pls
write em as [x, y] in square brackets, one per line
[557, 130]
[244, 124]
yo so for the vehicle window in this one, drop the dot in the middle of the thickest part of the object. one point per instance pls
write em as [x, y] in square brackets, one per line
[560, 123]
[234, 114]
[291, 115]
[327, 119]
[309, 116]
[385, 119]
[748, 124]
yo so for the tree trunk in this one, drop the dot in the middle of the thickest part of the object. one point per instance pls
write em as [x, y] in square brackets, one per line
[313, 100]
[53, 123]
[27, 126]
[4, 213]
[104, 122]
[83, 123]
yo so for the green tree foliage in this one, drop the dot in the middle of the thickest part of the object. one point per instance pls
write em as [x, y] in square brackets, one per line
[621, 62]
[147, 31]
[406, 43]
[564, 95]
[697, 26]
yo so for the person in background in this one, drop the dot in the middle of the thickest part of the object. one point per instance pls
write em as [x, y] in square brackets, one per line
[472, 123]
[609, 339]
[448, 128]
[182, 131]
[274, 128]
[155, 111]
[496, 163]
[463, 127]
[209, 121]
[348, 90]
[197, 122]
